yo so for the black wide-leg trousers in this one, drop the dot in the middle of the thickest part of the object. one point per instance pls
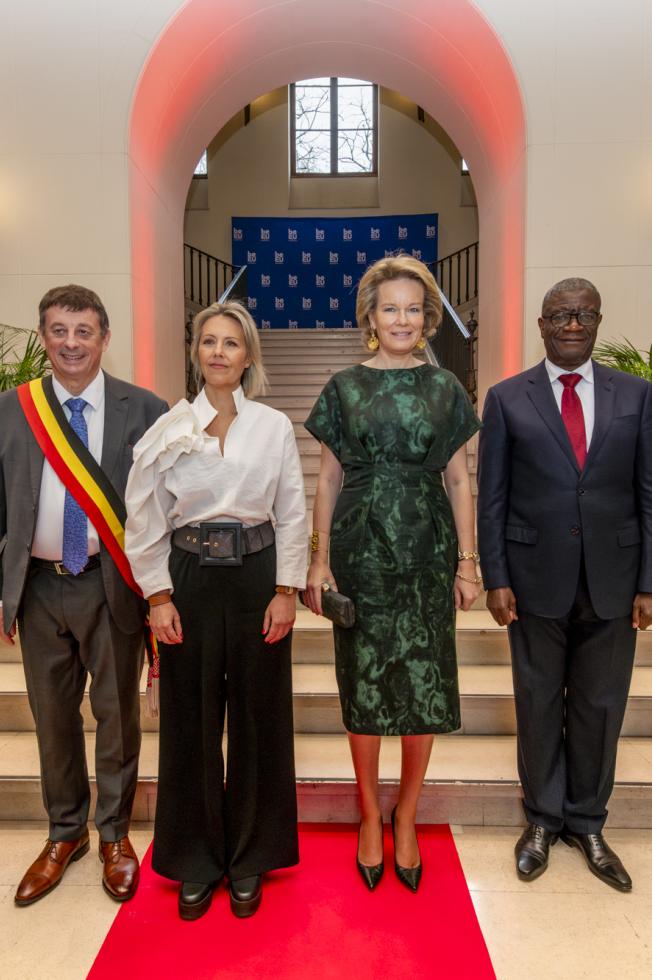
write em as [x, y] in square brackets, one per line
[571, 682]
[206, 825]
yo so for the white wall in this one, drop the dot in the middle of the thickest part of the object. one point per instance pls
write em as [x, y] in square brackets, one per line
[585, 69]
[248, 167]
[67, 76]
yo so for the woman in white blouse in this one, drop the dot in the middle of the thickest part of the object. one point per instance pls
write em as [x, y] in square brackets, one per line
[216, 536]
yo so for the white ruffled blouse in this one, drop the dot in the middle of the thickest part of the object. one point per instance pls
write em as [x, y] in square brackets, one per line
[179, 477]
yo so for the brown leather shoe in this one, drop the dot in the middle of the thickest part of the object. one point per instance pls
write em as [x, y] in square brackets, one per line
[48, 869]
[121, 870]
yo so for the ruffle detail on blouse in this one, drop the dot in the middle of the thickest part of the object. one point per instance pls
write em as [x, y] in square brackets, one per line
[177, 432]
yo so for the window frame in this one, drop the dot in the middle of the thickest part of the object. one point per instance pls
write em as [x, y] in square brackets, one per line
[197, 176]
[333, 133]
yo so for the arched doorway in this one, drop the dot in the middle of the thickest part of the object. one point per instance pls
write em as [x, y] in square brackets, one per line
[215, 56]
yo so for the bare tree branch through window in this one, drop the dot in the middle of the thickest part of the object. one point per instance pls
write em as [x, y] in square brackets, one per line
[334, 126]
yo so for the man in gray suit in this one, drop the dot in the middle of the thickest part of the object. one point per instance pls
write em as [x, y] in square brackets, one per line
[565, 534]
[76, 614]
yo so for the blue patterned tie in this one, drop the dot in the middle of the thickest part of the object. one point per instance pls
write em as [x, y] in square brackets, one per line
[75, 522]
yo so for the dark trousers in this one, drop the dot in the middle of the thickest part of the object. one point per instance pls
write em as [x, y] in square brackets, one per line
[203, 828]
[67, 633]
[571, 681]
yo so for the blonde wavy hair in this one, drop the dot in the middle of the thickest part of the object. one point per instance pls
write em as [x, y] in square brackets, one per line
[254, 380]
[397, 267]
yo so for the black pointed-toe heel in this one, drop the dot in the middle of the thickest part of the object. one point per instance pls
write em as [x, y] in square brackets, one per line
[410, 877]
[370, 873]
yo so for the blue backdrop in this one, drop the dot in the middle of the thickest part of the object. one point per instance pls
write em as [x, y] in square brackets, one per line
[304, 272]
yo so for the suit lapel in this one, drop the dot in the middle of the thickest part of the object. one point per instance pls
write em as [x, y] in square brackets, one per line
[542, 397]
[115, 419]
[604, 408]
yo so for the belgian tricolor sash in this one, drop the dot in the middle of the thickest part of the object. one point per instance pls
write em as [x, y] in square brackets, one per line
[84, 478]
[79, 472]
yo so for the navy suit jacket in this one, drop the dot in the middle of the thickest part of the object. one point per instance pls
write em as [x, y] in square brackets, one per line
[537, 513]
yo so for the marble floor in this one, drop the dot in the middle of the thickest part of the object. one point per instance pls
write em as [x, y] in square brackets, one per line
[566, 925]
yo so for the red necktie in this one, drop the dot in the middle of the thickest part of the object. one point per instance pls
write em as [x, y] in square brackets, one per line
[573, 416]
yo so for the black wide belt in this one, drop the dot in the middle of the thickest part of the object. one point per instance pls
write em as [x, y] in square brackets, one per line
[223, 542]
[60, 568]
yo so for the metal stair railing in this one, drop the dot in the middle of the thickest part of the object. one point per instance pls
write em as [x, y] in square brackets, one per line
[205, 277]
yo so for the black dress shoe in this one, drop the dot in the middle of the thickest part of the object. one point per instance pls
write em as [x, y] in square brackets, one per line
[195, 899]
[410, 877]
[246, 895]
[602, 861]
[532, 849]
[370, 873]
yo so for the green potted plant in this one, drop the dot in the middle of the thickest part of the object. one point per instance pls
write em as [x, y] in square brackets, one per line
[625, 357]
[21, 357]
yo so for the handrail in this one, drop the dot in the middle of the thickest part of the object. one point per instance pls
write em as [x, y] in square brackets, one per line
[237, 288]
[205, 277]
[454, 347]
[457, 274]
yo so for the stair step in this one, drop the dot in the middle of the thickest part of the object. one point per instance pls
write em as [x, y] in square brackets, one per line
[486, 697]
[471, 780]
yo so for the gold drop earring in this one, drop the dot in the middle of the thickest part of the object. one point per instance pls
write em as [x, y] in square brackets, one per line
[373, 343]
[421, 343]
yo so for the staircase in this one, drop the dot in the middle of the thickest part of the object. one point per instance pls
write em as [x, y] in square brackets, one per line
[298, 365]
[472, 776]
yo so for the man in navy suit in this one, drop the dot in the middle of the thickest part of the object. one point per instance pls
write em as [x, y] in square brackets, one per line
[565, 535]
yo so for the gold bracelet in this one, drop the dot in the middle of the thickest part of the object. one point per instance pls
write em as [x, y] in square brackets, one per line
[472, 581]
[314, 540]
[468, 556]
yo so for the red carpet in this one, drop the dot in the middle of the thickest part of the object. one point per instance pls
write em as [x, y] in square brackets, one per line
[316, 922]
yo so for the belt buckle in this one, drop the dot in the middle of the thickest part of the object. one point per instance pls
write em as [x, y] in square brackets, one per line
[220, 543]
[60, 568]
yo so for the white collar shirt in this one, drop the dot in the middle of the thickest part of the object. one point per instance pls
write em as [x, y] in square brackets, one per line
[48, 535]
[181, 477]
[584, 388]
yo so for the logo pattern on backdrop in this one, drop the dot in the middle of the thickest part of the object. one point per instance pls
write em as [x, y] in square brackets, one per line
[304, 272]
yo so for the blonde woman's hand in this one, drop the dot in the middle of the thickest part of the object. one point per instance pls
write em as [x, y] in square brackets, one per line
[165, 623]
[279, 617]
[318, 573]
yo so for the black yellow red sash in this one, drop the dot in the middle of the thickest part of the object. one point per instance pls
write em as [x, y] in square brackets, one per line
[84, 478]
[79, 472]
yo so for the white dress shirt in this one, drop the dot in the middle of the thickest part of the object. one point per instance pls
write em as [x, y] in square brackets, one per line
[48, 535]
[584, 388]
[180, 477]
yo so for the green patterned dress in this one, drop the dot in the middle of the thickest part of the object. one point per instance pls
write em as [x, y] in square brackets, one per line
[393, 543]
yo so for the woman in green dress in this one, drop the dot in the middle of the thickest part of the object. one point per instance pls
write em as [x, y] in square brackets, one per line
[397, 539]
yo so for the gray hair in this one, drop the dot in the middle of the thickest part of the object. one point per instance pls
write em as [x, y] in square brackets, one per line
[571, 285]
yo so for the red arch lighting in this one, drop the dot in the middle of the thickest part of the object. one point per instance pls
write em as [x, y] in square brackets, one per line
[215, 56]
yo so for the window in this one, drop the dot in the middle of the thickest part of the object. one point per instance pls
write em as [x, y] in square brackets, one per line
[201, 170]
[465, 166]
[333, 127]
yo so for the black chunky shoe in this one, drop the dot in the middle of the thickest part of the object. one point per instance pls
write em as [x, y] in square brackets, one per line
[410, 877]
[246, 895]
[195, 899]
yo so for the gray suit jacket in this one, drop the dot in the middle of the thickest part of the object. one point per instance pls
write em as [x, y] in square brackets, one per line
[129, 411]
[538, 514]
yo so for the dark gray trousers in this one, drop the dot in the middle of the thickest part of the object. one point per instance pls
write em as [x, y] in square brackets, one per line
[66, 634]
[571, 682]
[204, 828]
